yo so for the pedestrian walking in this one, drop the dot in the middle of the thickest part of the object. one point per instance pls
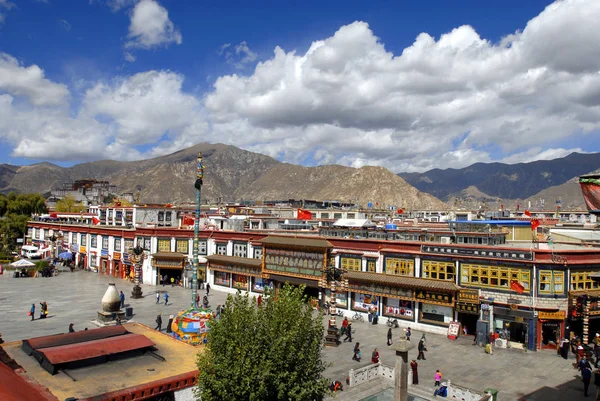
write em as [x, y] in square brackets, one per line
[259, 300]
[415, 373]
[348, 333]
[166, 298]
[218, 312]
[71, 328]
[357, 354]
[122, 298]
[438, 378]
[423, 339]
[172, 281]
[375, 356]
[32, 312]
[344, 326]
[596, 382]
[158, 297]
[207, 288]
[422, 350]
[586, 376]
[164, 279]
[389, 337]
[408, 333]
[475, 339]
[158, 322]
[43, 309]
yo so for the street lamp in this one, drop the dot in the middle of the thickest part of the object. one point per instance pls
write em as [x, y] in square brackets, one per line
[333, 279]
[53, 239]
[137, 256]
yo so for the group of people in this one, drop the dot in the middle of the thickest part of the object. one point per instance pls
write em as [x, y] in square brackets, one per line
[43, 310]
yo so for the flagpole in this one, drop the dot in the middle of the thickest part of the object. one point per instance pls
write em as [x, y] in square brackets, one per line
[198, 186]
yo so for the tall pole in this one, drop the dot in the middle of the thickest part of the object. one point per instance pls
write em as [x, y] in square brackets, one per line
[196, 266]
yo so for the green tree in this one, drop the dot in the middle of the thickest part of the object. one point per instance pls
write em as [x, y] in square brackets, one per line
[272, 352]
[12, 226]
[69, 204]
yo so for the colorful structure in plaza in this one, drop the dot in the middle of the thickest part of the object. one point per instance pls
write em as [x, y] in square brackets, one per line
[192, 326]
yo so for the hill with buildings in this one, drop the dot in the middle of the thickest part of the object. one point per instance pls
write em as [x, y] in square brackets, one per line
[231, 174]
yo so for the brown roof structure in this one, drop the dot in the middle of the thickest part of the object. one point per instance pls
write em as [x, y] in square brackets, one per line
[403, 281]
[317, 242]
[235, 260]
[168, 255]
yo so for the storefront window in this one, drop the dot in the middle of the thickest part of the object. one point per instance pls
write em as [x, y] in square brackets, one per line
[364, 302]
[93, 262]
[104, 242]
[551, 282]
[436, 313]
[401, 267]
[439, 270]
[341, 298]
[222, 278]
[259, 284]
[493, 276]
[398, 308]
[221, 249]
[583, 281]
[164, 245]
[351, 263]
[371, 265]
[182, 246]
[240, 281]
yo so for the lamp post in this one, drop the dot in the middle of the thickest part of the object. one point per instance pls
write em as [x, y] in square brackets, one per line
[137, 254]
[333, 279]
[198, 186]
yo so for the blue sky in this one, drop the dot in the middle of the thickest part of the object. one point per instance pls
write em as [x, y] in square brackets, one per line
[403, 84]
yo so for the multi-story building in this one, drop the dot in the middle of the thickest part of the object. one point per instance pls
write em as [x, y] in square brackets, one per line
[530, 292]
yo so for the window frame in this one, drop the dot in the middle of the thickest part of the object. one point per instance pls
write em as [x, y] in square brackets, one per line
[179, 246]
[117, 244]
[582, 277]
[163, 245]
[483, 275]
[351, 263]
[93, 240]
[403, 267]
[433, 269]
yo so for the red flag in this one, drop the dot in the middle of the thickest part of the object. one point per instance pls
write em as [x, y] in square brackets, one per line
[516, 286]
[304, 214]
[535, 223]
[95, 220]
[188, 221]
[527, 213]
[54, 215]
[400, 211]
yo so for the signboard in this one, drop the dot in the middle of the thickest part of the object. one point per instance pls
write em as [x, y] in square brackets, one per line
[453, 330]
[298, 262]
[472, 309]
[392, 292]
[468, 296]
[117, 255]
[430, 296]
[490, 253]
[560, 315]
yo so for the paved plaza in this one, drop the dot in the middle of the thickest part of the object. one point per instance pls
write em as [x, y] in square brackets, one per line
[75, 298]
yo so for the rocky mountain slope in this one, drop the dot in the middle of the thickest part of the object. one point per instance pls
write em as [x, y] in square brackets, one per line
[506, 181]
[231, 174]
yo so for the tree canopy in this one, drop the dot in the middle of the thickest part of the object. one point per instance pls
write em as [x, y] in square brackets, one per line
[69, 204]
[271, 352]
[15, 211]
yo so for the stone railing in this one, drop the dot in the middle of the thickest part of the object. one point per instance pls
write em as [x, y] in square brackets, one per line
[370, 372]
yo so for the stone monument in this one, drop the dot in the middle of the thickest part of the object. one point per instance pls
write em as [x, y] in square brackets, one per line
[111, 306]
[401, 346]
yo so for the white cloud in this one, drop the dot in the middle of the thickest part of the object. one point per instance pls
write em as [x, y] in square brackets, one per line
[5, 5]
[150, 26]
[130, 58]
[116, 5]
[65, 24]
[29, 82]
[238, 56]
[349, 100]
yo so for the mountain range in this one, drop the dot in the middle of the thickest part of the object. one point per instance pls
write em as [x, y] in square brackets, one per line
[231, 174]
[542, 182]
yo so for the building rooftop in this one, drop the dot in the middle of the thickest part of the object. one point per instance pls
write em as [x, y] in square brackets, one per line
[171, 358]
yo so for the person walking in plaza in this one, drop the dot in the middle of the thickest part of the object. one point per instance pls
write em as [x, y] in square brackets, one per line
[166, 298]
[158, 296]
[357, 354]
[389, 337]
[375, 356]
[172, 281]
[408, 333]
[158, 322]
[596, 382]
[422, 350]
[348, 333]
[344, 326]
[259, 300]
[586, 376]
[71, 328]
[415, 373]
[438, 378]
[43, 310]
[218, 312]
[207, 289]
[32, 312]
[122, 298]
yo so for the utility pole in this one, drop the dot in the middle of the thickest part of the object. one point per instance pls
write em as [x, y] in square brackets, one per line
[196, 266]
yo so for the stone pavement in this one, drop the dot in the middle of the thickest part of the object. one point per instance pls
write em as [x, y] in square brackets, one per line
[75, 298]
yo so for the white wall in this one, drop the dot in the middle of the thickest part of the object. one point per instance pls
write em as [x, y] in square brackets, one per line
[187, 394]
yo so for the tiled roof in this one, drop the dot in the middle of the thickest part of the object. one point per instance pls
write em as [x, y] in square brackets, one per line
[317, 242]
[168, 255]
[403, 281]
[234, 260]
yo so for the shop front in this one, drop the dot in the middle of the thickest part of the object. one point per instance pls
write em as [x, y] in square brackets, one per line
[117, 265]
[168, 265]
[518, 324]
[259, 284]
[235, 273]
[467, 308]
[550, 328]
[436, 306]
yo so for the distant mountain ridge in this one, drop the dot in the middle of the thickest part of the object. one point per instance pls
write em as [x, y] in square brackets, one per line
[507, 181]
[231, 174]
